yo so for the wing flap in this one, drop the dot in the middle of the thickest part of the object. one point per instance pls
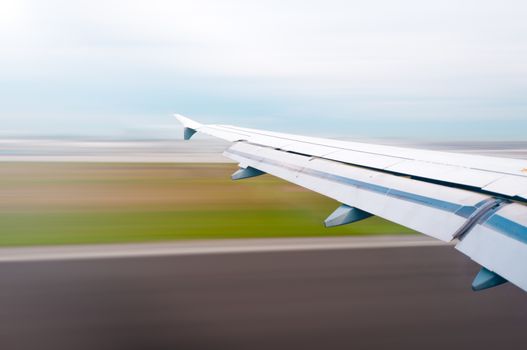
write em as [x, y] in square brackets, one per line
[508, 185]
[446, 173]
[506, 177]
[516, 167]
[363, 159]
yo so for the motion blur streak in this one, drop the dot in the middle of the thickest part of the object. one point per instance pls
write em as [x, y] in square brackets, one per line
[227, 246]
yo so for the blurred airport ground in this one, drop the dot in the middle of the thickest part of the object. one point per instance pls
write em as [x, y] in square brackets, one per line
[93, 191]
[64, 203]
[201, 150]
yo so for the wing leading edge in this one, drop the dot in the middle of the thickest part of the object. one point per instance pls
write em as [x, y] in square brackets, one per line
[445, 196]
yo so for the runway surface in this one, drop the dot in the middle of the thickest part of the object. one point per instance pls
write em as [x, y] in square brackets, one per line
[396, 298]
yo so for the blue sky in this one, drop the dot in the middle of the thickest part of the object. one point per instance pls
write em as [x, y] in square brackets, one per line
[412, 69]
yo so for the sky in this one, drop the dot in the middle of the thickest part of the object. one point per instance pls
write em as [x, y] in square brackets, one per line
[451, 69]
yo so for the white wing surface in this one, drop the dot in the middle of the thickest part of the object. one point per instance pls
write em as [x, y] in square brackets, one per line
[479, 201]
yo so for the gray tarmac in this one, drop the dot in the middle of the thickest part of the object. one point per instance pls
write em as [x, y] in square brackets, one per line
[377, 298]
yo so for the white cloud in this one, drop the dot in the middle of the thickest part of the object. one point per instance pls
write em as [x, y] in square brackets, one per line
[337, 41]
[396, 55]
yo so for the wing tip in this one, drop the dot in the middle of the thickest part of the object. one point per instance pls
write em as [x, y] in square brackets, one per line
[187, 122]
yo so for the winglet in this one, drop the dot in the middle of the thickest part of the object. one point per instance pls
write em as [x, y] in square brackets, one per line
[191, 126]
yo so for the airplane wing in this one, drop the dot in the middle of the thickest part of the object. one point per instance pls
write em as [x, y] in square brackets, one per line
[478, 202]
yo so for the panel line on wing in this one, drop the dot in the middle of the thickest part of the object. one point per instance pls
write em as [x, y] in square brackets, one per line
[393, 152]
[388, 170]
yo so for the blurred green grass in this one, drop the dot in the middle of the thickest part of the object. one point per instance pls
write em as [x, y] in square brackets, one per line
[77, 203]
